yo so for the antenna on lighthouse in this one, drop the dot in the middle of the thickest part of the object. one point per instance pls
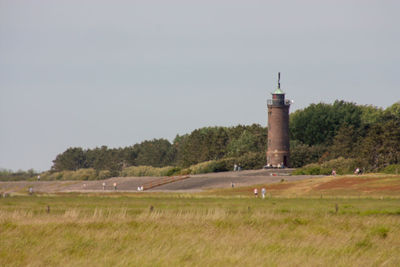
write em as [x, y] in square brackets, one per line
[279, 80]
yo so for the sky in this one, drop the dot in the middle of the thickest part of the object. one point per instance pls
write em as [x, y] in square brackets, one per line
[115, 73]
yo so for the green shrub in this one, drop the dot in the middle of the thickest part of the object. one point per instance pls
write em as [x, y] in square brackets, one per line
[173, 171]
[249, 161]
[92, 174]
[221, 165]
[51, 176]
[203, 167]
[147, 171]
[391, 169]
[224, 165]
[184, 171]
[341, 165]
[82, 174]
[312, 169]
[20, 175]
[104, 174]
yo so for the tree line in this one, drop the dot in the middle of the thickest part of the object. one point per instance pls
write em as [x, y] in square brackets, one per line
[366, 135]
[204, 144]
[318, 133]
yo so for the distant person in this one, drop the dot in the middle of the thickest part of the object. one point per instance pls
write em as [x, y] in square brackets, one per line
[38, 178]
[30, 190]
[115, 186]
[357, 171]
[239, 168]
[104, 186]
[333, 172]
[263, 191]
[232, 184]
[255, 192]
[235, 167]
[84, 186]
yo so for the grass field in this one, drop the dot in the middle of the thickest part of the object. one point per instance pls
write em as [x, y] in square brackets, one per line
[346, 186]
[198, 229]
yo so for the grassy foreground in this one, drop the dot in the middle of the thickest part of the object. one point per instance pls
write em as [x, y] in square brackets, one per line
[200, 230]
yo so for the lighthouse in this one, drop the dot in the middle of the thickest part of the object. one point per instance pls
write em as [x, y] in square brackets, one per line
[278, 152]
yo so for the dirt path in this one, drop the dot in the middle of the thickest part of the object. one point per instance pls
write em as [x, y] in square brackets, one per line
[130, 184]
[224, 180]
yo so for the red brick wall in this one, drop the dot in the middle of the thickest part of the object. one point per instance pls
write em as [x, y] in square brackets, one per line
[278, 135]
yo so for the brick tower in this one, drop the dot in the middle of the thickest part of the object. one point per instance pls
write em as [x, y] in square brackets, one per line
[278, 152]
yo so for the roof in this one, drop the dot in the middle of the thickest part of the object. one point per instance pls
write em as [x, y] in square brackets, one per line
[278, 91]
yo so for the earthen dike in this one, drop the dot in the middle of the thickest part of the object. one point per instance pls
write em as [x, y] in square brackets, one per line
[193, 183]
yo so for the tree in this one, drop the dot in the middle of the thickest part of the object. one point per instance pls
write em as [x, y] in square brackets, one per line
[208, 143]
[370, 114]
[72, 159]
[345, 142]
[156, 153]
[319, 123]
[242, 145]
[302, 154]
[381, 146]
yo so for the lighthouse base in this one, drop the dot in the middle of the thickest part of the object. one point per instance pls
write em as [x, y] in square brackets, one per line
[278, 159]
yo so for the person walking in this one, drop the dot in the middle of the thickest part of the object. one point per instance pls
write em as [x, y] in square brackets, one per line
[104, 186]
[255, 192]
[263, 191]
[115, 186]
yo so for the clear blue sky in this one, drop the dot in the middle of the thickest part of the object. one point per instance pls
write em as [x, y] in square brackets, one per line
[92, 73]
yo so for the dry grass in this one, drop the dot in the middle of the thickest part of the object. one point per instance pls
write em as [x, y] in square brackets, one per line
[346, 186]
[198, 230]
